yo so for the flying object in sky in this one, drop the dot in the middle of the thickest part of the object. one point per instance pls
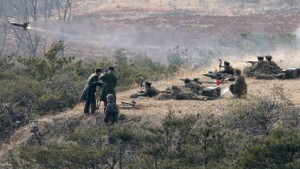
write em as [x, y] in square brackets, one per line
[25, 25]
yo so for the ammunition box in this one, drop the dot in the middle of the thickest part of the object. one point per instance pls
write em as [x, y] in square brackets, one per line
[291, 73]
[212, 92]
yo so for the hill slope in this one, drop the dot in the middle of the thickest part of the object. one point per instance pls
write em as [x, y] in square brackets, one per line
[149, 110]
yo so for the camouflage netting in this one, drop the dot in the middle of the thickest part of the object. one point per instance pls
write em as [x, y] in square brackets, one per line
[265, 71]
[180, 93]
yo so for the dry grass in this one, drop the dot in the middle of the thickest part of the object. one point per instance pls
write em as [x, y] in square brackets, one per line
[150, 110]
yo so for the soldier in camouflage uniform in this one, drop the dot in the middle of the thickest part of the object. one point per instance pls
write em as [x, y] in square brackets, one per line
[111, 111]
[262, 70]
[150, 91]
[275, 68]
[239, 87]
[110, 81]
[181, 93]
[88, 93]
[195, 87]
[227, 69]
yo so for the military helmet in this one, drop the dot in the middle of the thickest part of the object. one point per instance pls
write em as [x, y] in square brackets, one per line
[226, 63]
[98, 70]
[111, 68]
[237, 71]
[148, 84]
[260, 58]
[110, 97]
[268, 57]
[187, 80]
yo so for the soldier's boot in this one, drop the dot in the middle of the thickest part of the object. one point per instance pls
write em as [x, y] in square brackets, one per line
[93, 107]
[104, 106]
[86, 107]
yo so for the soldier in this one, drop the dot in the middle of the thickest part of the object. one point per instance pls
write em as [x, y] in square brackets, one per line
[275, 68]
[110, 81]
[150, 90]
[239, 87]
[88, 93]
[261, 63]
[111, 110]
[261, 69]
[227, 68]
[195, 88]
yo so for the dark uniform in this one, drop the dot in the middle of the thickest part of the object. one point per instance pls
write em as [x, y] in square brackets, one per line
[195, 87]
[88, 93]
[273, 66]
[227, 69]
[262, 70]
[239, 87]
[111, 110]
[150, 92]
[110, 81]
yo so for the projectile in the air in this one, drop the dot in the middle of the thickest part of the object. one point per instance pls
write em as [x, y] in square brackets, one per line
[25, 25]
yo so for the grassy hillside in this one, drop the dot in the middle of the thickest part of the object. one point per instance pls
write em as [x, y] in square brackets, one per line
[162, 41]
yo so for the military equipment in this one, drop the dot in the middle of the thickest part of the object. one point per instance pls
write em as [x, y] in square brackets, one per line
[291, 73]
[219, 76]
[196, 80]
[212, 92]
[251, 62]
[128, 105]
[25, 25]
[141, 82]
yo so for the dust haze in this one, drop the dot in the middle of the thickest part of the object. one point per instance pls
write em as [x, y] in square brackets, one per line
[237, 32]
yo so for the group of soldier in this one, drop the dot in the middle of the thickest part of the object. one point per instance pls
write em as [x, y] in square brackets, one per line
[264, 69]
[192, 88]
[108, 94]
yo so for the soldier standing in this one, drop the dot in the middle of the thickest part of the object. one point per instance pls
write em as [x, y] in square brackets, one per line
[239, 87]
[88, 93]
[110, 81]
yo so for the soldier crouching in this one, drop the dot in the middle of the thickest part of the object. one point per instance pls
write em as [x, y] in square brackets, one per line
[111, 110]
[239, 88]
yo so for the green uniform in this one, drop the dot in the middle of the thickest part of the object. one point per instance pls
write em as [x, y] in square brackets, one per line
[195, 87]
[227, 70]
[150, 92]
[239, 87]
[88, 93]
[111, 113]
[110, 81]
[275, 68]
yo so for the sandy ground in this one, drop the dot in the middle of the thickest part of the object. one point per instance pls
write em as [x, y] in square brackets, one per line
[256, 88]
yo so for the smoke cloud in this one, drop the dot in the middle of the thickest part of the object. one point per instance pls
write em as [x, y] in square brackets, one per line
[226, 41]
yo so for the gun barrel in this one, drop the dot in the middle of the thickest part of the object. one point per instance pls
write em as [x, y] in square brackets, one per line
[251, 62]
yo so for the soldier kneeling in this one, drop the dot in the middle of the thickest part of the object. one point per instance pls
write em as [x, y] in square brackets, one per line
[239, 88]
[111, 110]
